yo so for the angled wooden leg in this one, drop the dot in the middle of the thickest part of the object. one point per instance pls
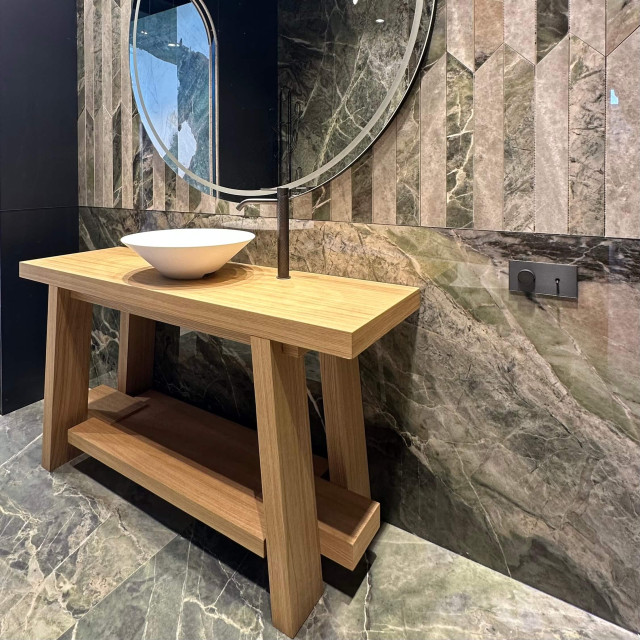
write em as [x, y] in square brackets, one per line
[135, 355]
[344, 423]
[293, 548]
[66, 382]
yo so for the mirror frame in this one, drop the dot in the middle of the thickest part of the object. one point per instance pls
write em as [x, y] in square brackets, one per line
[353, 145]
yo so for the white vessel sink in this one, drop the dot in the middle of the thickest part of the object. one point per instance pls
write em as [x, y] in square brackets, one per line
[188, 254]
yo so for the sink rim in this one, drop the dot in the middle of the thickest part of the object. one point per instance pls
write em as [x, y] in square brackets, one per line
[192, 238]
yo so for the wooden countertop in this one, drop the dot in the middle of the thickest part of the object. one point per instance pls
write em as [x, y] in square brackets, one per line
[338, 316]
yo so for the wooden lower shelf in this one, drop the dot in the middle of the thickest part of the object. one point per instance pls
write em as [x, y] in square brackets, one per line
[210, 468]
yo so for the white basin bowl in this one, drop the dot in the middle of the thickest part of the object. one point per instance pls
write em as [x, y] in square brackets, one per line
[188, 254]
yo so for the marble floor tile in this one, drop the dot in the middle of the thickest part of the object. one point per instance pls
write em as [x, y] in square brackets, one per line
[203, 586]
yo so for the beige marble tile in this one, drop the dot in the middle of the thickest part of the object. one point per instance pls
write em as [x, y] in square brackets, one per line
[303, 207]
[460, 31]
[623, 17]
[489, 28]
[519, 142]
[623, 140]
[520, 20]
[488, 189]
[341, 197]
[384, 176]
[586, 139]
[552, 141]
[433, 145]
[127, 132]
[82, 159]
[99, 163]
[588, 21]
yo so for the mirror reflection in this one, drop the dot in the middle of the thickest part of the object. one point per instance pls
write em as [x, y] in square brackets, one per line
[242, 96]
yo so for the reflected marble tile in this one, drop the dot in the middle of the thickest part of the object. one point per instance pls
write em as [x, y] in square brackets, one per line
[321, 203]
[385, 176]
[552, 136]
[433, 145]
[519, 142]
[460, 127]
[127, 107]
[438, 44]
[116, 55]
[553, 24]
[169, 188]
[623, 17]
[302, 207]
[88, 57]
[622, 158]
[408, 161]
[586, 139]
[341, 197]
[488, 187]
[362, 188]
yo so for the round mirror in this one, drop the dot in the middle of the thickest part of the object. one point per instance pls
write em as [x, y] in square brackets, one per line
[241, 97]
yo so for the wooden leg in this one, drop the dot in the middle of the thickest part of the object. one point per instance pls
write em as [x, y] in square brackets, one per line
[293, 548]
[344, 423]
[135, 357]
[66, 384]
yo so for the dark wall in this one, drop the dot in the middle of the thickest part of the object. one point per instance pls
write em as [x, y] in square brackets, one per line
[248, 91]
[38, 177]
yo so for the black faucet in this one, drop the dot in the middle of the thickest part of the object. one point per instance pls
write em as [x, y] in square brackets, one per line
[282, 200]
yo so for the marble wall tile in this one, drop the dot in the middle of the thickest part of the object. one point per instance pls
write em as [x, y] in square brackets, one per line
[488, 162]
[489, 28]
[385, 176]
[460, 129]
[90, 157]
[553, 24]
[552, 141]
[321, 203]
[438, 44]
[107, 56]
[80, 21]
[82, 159]
[127, 107]
[169, 189]
[362, 188]
[97, 55]
[147, 151]
[408, 160]
[460, 40]
[586, 139]
[589, 22]
[159, 188]
[520, 21]
[116, 55]
[195, 199]
[100, 158]
[341, 197]
[519, 142]
[182, 195]
[137, 161]
[117, 157]
[270, 210]
[623, 140]
[623, 17]
[433, 145]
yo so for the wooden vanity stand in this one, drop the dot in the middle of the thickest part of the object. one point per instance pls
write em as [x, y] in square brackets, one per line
[264, 490]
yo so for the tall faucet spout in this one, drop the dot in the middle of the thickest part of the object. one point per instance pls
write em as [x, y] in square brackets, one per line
[282, 213]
